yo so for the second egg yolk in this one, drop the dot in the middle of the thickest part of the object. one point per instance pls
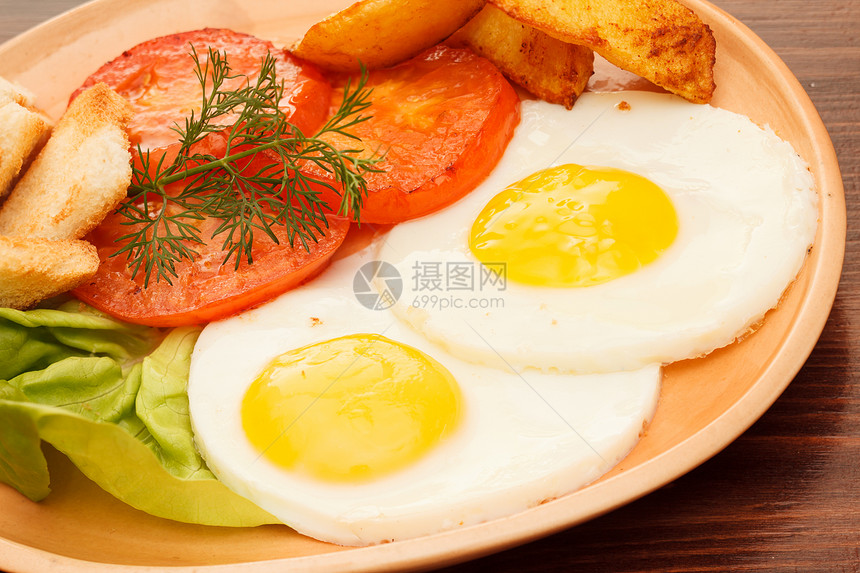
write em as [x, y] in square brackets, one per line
[574, 226]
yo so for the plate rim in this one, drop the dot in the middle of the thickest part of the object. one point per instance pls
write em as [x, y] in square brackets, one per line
[452, 546]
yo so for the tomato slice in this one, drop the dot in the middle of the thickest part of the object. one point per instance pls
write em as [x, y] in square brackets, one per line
[205, 290]
[158, 78]
[443, 120]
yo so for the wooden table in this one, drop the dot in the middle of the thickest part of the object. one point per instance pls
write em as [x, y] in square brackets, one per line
[786, 495]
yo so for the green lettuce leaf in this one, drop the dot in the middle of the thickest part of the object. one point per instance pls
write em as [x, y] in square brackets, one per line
[111, 396]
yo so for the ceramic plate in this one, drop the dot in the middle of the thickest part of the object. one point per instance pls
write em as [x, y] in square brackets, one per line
[705, 403]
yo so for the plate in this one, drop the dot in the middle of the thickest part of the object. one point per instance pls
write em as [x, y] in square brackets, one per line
[705, 404]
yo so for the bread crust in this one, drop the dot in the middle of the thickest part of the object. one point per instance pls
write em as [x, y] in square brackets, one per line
[12, 92]
[22, 134]
[80, 175]
[35, 269]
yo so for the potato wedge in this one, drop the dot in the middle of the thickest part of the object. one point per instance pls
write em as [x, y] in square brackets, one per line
[550, 69]
[661, 40]
[381, 33]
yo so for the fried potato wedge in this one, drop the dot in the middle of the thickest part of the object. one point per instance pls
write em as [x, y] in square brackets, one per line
[35, 269]
[550, 69]
[660, 40]
[381, 33]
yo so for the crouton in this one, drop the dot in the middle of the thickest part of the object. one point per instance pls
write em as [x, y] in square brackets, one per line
[12, 92]
[22, 134]
[80, 175]
[35, 269]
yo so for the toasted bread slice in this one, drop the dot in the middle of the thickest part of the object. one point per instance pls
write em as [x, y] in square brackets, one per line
[552, 70]
[12, 92]
[35, 269]
[81, 174]
[22, 134]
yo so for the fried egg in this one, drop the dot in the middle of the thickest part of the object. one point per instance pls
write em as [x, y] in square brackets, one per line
[634, 229]
[507, 349]
[337, 418]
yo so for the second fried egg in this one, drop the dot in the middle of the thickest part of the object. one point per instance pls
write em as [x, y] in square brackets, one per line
[345, 424]
[708, 220]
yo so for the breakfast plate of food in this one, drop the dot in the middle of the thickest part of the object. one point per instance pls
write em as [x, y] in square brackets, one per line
[390, 284]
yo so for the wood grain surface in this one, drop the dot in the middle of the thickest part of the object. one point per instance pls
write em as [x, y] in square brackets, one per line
[785, 496]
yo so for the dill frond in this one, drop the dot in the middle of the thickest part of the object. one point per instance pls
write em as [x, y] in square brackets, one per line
[279, 194]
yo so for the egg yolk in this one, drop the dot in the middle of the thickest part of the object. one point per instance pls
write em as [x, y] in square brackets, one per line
[574, 226]
[351, 408]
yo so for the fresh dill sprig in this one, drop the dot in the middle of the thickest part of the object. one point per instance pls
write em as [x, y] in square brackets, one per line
[245, 200]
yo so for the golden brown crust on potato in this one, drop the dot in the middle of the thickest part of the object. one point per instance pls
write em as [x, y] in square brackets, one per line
[550, 69]
[381, 33]
[22, 135]
[81, 174]
[35, 269]
[660, 40]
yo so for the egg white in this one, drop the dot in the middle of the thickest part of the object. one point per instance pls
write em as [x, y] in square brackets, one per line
[747, 214]
[524, 437]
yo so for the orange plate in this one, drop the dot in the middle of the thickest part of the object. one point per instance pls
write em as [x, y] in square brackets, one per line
[705, 403]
